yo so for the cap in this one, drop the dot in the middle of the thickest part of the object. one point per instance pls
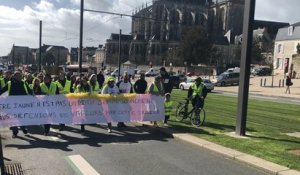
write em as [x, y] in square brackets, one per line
[167, 94]
[111, 78]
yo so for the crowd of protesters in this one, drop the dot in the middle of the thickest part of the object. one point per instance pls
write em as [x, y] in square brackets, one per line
[24, 83]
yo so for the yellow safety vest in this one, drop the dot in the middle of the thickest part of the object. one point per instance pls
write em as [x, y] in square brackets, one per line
[49, 91]
[66, 89]
[168, 108]
[9, 87]
[96, 89]
[2, 83]
[155, 88]
[197, 90]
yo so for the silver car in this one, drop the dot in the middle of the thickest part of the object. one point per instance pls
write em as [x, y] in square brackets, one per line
[188, 83]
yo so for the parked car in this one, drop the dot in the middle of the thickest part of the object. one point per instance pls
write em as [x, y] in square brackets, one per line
[262, 71]
[209, 85]
[152, 72]
[188, 83]
[139, 72]
[177, 79]
[227, 78]
[107, 72]
[128, 70]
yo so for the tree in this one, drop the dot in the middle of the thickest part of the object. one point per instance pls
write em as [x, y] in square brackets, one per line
[196, 47]
[256, 52]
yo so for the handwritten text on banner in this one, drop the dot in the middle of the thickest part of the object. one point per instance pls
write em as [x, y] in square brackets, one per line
[79, 109]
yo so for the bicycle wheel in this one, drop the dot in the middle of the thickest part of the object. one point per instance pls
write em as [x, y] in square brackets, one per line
[198, 117]
[180, 112]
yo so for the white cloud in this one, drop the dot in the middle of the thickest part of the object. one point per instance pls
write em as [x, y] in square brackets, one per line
[60, 25]
[61, 20]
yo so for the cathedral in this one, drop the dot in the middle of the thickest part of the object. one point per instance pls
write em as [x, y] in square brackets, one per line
[158, 28]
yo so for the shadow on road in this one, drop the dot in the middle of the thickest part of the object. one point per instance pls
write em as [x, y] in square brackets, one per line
[92, 137]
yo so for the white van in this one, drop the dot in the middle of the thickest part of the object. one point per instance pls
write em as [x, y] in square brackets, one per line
[152, 72]
[128, 70]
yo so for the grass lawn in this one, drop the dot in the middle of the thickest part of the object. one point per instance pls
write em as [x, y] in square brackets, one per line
[267, 122]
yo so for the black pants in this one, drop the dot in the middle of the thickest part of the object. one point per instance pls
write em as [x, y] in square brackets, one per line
[166, 118]
[197, 102]
[15, 130]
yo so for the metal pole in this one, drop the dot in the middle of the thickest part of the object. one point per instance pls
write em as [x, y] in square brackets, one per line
[245, 67]
[40, 48]
[1, 157]
[81, 36]
[119, 57]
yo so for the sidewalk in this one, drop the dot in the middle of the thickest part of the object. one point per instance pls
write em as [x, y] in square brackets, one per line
[255, 88]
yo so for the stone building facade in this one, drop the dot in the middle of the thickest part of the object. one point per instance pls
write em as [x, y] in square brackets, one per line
[158, 29]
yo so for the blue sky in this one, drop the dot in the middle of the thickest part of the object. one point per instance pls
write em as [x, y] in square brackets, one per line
[19, 20]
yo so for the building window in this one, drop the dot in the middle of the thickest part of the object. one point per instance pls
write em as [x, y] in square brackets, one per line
[279, 48]
[290, 30]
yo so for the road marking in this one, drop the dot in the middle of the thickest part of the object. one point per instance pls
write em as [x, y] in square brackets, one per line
[79, 163]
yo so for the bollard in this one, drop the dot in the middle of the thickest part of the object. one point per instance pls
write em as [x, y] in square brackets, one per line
[261, 80]
[279, 83]
[283, 83]
[265, 82]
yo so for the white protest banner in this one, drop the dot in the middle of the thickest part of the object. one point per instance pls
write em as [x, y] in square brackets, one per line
[79, 109]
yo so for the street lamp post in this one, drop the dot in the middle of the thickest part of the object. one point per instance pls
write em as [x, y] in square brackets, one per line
[171, 68]
[185, 63]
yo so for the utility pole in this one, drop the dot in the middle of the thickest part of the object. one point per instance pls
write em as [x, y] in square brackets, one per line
[40, 48]
[119, 57]
[245, 68]
[81, 36]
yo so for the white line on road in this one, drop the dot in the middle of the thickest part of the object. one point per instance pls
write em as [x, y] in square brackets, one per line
[82, 165]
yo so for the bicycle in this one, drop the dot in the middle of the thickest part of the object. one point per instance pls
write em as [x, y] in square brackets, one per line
[196, 115]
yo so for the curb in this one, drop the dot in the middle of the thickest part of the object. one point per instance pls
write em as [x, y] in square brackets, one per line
[259, 163]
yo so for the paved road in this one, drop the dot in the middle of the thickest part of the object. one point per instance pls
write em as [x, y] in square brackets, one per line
[134, 150]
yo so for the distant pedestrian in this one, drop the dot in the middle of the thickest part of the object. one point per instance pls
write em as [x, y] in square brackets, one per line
[140, 86]
[288, 83]
[100, 79]
[167, 84]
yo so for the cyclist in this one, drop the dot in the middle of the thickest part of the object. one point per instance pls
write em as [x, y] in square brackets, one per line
[197, 93]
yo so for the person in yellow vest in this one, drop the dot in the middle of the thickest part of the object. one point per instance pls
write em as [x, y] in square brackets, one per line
[48, 88]
[112, 89]
[6, 78]
[64, 87]
[83, 87]
[168, 108]
[94, 85]
[156, 88]
[197, 93]
[63, 84]
[17, 87]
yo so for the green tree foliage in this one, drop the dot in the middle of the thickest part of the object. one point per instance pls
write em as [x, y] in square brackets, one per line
[196, 47]
[256, 53]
